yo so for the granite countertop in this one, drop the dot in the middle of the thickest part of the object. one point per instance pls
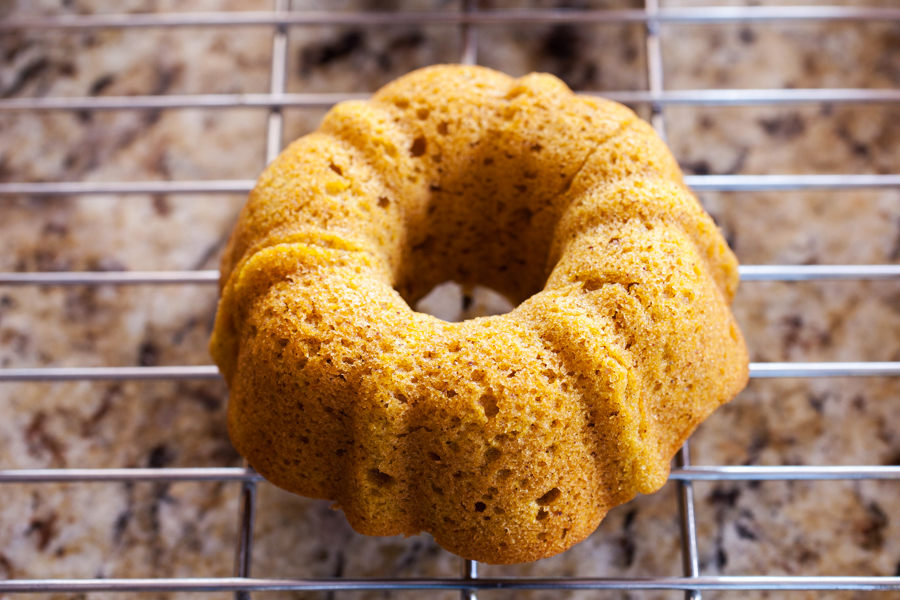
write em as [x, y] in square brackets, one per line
[189, 529]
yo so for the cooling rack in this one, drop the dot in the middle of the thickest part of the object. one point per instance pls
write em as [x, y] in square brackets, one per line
[657, 97]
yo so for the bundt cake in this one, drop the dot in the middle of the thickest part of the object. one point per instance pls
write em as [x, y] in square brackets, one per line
[508, 438]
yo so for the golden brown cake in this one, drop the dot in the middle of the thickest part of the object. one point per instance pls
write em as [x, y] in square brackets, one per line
[508, 438]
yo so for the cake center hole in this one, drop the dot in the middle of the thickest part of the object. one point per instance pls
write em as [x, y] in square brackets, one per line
[451, 302]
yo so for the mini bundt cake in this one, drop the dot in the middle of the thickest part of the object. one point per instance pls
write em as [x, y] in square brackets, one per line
[508, 438]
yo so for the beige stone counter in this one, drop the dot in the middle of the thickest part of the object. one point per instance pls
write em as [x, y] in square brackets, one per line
[189, 529]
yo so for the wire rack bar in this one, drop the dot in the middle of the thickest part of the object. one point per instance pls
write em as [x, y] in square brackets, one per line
[469, 34]
[123, 475]
[238, 584]
[204, 101]
[468, 37]
[724, 97]
[689, 556]
[277, 86]
[243, 552]
[469, 572]
[783, 183]
[701, 15]
[655, 65]
[702, 183]
[784, 473]
[757, 371]
[66, 188]
[751, 97]
[111, 278]
[815, 272]
[747, 272]
[655, 83]
[235, 474]
[110, 373]
[824, 369]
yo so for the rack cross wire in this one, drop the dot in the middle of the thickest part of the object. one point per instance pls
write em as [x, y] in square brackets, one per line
[467, 20]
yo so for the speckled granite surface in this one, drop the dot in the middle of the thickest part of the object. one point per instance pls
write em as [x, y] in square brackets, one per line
[189, 529]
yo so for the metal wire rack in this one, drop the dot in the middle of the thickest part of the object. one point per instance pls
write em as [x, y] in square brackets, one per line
[467, 20]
